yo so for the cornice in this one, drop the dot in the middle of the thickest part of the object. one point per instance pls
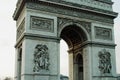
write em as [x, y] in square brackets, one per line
[105, 1]
[19, 7]
[36, 37]
[63, 4]
[91, 43]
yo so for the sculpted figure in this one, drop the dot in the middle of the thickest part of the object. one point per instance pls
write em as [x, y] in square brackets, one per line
[41, 58]
[104, 62]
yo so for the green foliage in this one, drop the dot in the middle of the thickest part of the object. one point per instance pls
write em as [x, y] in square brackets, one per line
[8, 78]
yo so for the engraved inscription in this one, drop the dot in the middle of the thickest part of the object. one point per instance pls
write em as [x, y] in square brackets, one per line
[39, 23]
[104, 61]
[21, 29]
[103, 33]
[41, 58]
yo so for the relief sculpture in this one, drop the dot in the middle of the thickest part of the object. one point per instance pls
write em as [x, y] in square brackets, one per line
[41, 58]
[39, 23]
[103, 33]
[20, 29]
[63, 21]
[104, 62]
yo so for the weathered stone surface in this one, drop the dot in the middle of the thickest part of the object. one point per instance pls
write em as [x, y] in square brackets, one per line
[72, 12]
[39, 23]
[104, 62]
[103, 33]
[101, 4]
[21, 29]
[85, 25]
[41, 58]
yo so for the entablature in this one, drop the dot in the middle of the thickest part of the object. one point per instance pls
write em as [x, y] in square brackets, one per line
[66, 5]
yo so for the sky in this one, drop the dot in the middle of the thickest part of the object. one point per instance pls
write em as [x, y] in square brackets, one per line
[8, 38]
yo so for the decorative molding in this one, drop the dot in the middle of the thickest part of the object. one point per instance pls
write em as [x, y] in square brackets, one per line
[63, 21]
[39, 23]
[21, 29]
[70, 12]
[87, 26]
[41, 58]
[40, 37]
[65, 4]
[103, 33]
[92, 43]
[36, 37]
[104, 61]
[105, 1]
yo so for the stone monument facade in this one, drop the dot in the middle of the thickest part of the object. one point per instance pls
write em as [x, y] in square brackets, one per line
[85, 25]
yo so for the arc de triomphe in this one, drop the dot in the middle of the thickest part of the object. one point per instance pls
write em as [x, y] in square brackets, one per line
[85, 25]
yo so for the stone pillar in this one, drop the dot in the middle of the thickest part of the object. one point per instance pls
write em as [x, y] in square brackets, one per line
[103, 52]
[18, 64]
[85, 52]
[37, 36]
[71, 66]
[87, 63]
[40, 60]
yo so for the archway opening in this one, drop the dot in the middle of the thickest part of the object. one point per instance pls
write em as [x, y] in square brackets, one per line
[19, 60]
[74, 36]
[79, 62]
[64, 66]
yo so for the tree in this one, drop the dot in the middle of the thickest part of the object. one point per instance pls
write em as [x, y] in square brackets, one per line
[8, 78]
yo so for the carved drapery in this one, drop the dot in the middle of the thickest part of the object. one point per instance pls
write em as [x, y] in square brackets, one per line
[104, 61]
[39, 23]
[41, 58]
[103, 33]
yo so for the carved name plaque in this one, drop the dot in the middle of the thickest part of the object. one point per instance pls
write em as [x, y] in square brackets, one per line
[41, 58]
[104, 62]
[103, 33]
[39, 23]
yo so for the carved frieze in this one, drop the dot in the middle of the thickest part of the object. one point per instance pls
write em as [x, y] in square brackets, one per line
[105, 1]
[39, 23]
[21, 29]
[87, 26]
[41, 58]
[103, 33]
[104, 61]
[72, 12]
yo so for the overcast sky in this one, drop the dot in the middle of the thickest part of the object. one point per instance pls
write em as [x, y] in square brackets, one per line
[8, 32]
[116, 8]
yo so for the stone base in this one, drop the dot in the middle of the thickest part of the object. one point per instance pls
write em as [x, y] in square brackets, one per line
[104, 78]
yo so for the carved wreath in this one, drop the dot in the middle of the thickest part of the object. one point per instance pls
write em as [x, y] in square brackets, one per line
[41, 58]
[104, 61]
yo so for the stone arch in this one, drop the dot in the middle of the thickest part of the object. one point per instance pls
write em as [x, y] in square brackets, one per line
[85, 28]
[77, 55]
[79, 58]
[71, 32]
[80, 67]
[75, 35]
[64, 25]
